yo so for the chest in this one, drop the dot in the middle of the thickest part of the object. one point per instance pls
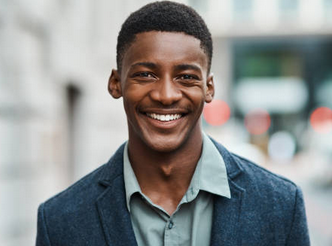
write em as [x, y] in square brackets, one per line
[190, 224]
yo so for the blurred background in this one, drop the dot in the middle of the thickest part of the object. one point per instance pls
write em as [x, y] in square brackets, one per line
[273, 74]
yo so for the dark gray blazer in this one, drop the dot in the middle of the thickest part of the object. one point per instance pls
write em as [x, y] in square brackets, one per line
[265, 209]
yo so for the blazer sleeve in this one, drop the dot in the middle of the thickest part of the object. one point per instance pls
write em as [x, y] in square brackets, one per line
[42, 234]
[299, 230]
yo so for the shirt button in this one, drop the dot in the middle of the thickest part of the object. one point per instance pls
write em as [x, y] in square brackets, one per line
[170, 225]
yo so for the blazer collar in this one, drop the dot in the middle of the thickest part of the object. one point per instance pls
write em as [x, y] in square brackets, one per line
[113, 168]
[111, 204]
[227, 212]
[232, 166]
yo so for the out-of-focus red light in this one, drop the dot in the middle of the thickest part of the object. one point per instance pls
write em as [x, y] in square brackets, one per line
[321, 120]
[257, 121]
[216, 113]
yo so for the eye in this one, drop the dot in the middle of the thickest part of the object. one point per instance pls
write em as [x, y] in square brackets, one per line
[188, 77]
[144, 75]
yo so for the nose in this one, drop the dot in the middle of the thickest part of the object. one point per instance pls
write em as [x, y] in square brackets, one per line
[166, 92]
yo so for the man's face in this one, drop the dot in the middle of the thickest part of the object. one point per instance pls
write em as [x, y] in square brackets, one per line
[164, 85]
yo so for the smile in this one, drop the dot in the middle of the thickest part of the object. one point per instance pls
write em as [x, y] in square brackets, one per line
[164, 117]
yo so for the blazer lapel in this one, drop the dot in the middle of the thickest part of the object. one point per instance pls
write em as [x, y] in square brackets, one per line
[111, 204]
[227, 212]
[226, 218]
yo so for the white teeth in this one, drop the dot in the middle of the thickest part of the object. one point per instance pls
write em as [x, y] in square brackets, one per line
[164, 117]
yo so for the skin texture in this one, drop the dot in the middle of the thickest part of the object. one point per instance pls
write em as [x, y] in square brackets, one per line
[164, 73]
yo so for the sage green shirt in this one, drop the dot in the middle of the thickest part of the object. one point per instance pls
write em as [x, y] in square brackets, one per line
[191, 222]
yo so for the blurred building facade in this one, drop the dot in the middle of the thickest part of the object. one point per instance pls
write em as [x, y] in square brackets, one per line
[57, 121]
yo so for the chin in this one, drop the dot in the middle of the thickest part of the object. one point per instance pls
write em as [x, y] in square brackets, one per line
[165, 145]
[164, 148]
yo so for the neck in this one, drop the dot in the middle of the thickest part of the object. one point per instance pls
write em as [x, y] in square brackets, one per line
[165, 176]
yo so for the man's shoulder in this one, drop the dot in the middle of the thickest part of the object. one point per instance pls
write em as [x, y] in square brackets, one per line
[272, 206]
[84, 192]
[253, 176]
[73, 216]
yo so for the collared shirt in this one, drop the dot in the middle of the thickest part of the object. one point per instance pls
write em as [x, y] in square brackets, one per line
[191, 223]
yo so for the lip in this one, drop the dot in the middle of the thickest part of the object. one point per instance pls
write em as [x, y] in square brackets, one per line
[164, 111]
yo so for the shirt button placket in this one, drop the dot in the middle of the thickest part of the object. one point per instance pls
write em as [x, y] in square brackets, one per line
[170, 238]
[170, 225]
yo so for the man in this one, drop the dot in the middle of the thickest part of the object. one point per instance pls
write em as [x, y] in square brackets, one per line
[170, 184]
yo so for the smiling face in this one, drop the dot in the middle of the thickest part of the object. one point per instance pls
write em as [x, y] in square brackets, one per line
[164, 85]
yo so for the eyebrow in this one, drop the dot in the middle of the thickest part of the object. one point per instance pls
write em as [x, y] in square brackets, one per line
[144, 64]
[188, 67]
[152, 65]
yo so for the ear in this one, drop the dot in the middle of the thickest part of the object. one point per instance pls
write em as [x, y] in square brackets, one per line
[114, 84]
[209, 92]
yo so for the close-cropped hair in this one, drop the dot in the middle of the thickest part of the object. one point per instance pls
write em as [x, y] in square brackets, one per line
[164, 16]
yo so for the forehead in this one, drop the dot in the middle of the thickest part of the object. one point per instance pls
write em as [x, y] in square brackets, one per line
[165, 47]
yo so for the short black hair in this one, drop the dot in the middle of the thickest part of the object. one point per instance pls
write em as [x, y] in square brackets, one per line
[163, 16]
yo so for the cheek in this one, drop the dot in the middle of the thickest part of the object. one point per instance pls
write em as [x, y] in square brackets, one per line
[132, 94]
[132, 97]
[196, 96]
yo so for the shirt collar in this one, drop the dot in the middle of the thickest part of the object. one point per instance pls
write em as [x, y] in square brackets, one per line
[213, 173]
[130, 180]
[210, 174]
